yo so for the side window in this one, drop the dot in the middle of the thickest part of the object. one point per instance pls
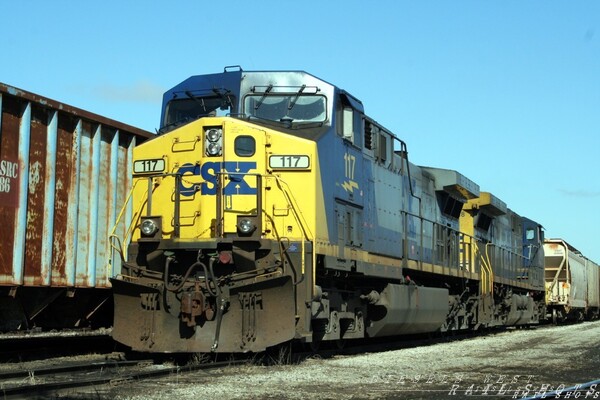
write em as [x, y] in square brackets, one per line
[530, 234]
[349, 121]
[348, 124]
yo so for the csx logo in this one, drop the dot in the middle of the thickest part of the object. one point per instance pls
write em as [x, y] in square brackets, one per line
[208, 171]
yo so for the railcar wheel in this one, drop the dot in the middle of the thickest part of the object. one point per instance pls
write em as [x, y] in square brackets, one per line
[554, 317]
[340, 344]
[315, 346]
[280, 354]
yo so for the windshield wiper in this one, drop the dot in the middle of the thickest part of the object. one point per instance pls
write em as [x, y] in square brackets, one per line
[295, 99]
[201, 101]
[224, 95]
[260, 101]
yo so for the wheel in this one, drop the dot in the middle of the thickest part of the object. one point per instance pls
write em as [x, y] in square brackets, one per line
[280, 354]
[315, 345]
[340, 344]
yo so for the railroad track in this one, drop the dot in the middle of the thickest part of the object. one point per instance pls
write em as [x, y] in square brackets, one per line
[351, 347]
[45, 382]
[19, 347]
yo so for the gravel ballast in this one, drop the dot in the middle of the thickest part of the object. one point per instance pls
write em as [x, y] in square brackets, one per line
[511, 364]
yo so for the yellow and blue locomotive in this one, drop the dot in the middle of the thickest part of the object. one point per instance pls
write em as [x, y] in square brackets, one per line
[271, 208]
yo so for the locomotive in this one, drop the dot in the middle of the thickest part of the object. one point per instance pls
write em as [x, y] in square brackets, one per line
[271, 208]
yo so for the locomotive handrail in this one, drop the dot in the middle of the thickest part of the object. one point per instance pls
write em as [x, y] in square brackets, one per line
[294, 206]
[220, 214]
[128, 231]
[118, 249]
[298, 216]
[450, 254]
[176, 203]
[498, 260]
[488, 262]
[489, 272]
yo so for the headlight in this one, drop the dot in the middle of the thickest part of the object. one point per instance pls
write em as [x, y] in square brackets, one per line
[213, 141]
[148, 227]
[245, 226]
[213, 134]
[213, 149]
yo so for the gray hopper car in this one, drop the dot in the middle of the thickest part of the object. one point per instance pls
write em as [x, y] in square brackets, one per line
[572, 283]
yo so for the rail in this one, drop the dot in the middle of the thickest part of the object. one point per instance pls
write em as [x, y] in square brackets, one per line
[71, 377]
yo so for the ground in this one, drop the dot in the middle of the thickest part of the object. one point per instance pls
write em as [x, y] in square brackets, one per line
[511, 364]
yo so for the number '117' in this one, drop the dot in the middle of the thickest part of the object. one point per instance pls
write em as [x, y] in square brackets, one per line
[290, 161]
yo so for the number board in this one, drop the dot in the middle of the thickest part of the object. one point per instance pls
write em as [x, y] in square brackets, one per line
[289, 162]
[148, 166]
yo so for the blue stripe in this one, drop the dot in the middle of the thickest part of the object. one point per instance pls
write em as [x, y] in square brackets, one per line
[50, 190]
[21, 228]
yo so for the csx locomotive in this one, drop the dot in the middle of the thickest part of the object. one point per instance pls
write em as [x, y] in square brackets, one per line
[271, 208]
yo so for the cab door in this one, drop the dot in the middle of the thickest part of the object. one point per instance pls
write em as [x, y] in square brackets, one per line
[239, 181]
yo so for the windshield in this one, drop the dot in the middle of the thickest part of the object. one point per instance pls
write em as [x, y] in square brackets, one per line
[286, 107]
[180, 111]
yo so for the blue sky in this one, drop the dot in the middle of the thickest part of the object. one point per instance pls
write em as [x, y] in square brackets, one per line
[506, 92]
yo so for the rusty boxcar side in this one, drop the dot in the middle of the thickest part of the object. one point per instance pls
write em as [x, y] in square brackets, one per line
[64, 174]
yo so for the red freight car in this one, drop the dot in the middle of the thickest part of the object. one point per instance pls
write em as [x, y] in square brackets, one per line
[64, 172]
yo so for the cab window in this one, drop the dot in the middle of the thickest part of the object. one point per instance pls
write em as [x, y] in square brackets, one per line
[245, 146]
